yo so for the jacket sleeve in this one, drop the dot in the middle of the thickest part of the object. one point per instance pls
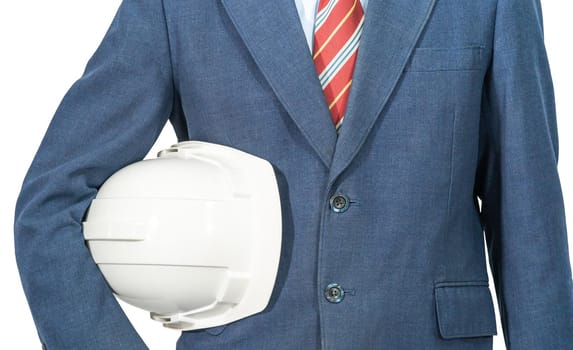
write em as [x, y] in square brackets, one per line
[109, 118]
[518, 183]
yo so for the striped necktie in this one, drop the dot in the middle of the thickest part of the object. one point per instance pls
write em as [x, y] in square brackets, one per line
[337, 29]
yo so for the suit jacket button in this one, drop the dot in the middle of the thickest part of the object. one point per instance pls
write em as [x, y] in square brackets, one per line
[339, 203]
[334, 293]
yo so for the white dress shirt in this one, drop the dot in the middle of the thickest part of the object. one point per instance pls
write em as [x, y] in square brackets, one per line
[307, 13]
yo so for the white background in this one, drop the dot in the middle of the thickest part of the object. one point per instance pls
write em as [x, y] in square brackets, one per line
[44, 48]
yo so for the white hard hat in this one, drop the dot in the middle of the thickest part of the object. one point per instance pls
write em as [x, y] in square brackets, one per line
[193, 236]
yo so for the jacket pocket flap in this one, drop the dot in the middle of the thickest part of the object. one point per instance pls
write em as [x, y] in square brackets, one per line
[464, 309]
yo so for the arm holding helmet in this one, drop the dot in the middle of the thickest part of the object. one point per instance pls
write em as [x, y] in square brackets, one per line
[109, 118]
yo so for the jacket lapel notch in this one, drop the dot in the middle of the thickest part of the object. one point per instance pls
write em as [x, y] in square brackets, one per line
[272, 33]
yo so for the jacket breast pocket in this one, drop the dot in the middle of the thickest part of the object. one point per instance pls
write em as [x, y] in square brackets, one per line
[429, 59]
[464, 309]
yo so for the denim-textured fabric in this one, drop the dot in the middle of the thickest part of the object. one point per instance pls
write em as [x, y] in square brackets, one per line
[451, 100]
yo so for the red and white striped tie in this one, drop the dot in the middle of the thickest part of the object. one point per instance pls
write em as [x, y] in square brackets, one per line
[337, 30]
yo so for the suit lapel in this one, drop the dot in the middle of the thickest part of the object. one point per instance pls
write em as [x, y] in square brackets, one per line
[273, 35]
[391, 30]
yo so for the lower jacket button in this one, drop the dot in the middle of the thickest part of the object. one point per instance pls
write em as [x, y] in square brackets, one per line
[334, 293]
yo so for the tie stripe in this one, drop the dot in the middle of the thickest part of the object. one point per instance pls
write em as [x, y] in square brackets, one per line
[338, 85]
[330, 27]
[337, 32]
[340, 57]
[323, 14]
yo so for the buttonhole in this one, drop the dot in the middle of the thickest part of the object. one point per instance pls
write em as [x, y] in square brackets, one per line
[349, 291]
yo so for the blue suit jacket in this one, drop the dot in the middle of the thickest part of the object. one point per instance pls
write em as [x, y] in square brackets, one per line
[452, 100]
